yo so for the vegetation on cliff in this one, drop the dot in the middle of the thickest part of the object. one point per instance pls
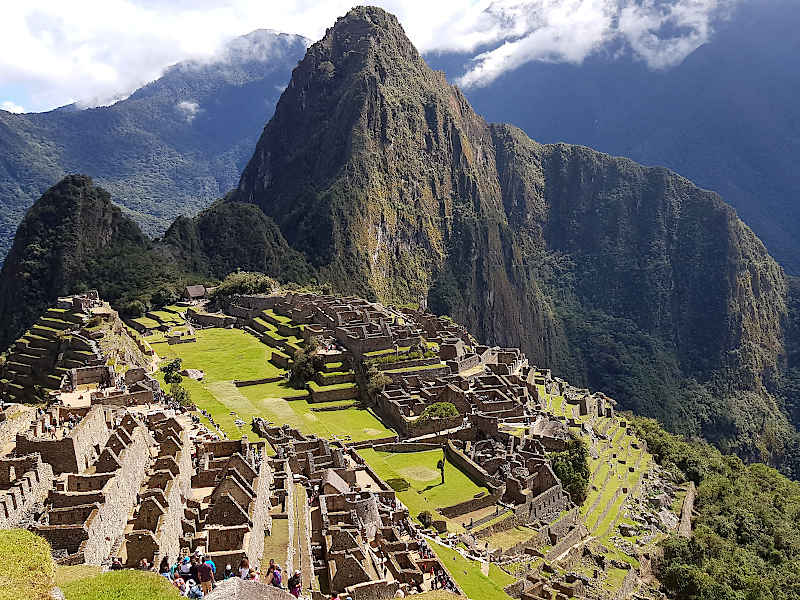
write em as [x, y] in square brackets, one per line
[746, 542]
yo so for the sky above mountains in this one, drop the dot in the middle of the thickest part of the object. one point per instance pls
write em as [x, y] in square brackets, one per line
[94, 52]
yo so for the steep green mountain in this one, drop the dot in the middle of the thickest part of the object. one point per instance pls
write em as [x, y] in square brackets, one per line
[73, 239]
[232, 235]
[171, 148]
[626, 278]
[725, 117]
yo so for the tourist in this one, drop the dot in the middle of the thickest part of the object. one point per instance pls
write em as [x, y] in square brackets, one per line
[116, 565]
[163, 568]
[193, 574]
[181, 585]
[228, 572]
[294, 584]
[206, 576]
[144, 565]
[194, 590]
[253, 575]
[185, 568]
[211, 563]
[244, 568]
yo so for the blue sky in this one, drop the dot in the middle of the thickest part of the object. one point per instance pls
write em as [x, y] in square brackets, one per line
[55, 52]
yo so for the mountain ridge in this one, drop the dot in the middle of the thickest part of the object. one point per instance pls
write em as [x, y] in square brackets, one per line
[171, 148]
[376, 177]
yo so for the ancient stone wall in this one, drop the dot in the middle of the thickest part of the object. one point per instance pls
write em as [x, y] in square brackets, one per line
[347, 393]
[247, 382]
[120, 496]
[406, 447]
[209, 320]
[262, 521]
[474, 471]
[18, 423]
[30, 485]
[628, 584]
[575, 535]
[74, 453]
[123, 398]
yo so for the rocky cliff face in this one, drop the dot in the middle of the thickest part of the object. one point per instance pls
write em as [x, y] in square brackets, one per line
[624, 277]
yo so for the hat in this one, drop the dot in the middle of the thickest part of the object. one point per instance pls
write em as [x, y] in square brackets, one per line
[228, 567]
[297, 572]
[185, 559]
[191, 582]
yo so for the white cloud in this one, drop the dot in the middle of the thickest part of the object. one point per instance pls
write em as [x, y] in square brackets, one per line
[12, 107]
[189, 109]
[662, 34]
[59, 52]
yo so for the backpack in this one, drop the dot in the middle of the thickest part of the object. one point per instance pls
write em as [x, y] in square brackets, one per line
[276, 578]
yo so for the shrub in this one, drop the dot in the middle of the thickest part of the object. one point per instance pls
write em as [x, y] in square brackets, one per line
[426, 518]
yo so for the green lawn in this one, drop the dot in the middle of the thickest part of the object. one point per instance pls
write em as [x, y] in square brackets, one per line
[418, 483]
[121, 585]
[359, 423]
[276, 545]
[224, 354]
[500, 577]
[474, 583]
[27, 568]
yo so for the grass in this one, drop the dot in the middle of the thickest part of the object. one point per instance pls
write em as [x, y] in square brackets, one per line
[228, 354]
[511, 537]
[224, 354]
[469, 577]
[336, 386]
[276, 545]
[65, 575]
[417, 482]
[27, 571]
[359, 423]
[500, 577]
[121, 585]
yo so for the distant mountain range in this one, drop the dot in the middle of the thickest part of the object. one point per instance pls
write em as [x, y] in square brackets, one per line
[726, 117]
[376, 177]
[171, 148]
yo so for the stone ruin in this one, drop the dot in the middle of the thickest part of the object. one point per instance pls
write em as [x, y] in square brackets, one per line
[362, 543]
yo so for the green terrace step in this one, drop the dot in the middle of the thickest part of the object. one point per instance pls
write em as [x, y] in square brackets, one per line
[46, 332]
[16, 367]
[15, 389]
[333, 367]
[52, 382]
[25, 359]
[66, 315]
[72, 363]
[39, 341]
[55, 323]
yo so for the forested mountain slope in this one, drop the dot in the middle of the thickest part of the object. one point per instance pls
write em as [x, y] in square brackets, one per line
[725, 117]
[171, 148]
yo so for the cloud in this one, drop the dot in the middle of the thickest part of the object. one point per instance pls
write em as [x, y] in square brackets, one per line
[660, 33]
[12, 107]
[97, 51]
[189, 109]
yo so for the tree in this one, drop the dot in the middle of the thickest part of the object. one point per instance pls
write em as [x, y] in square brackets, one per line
[180, 394]
[170, 371]
[572, 469]
[306, 363]
[426, 518]
[436, 411]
